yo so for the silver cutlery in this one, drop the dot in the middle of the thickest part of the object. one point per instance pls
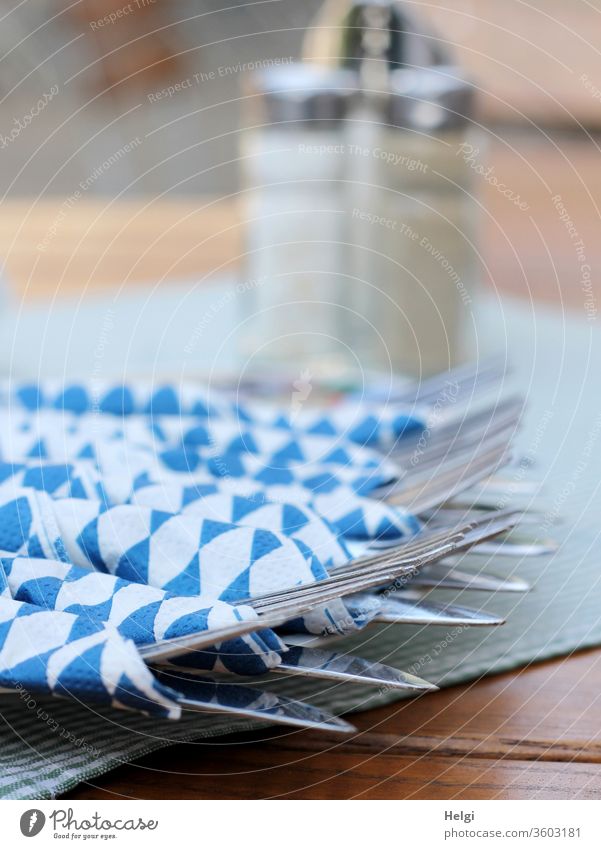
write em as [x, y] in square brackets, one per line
[514, 548]
[464, 430]
[343, 667]
[411, 607]
[471, 378]
[394, 565]
[203, 695]
[442, 576]
[163, 650]
[456, 512]
[385, 568]
[333, 666]
[448, 482]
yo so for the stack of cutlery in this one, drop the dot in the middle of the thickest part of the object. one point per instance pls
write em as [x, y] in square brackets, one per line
[161, 547]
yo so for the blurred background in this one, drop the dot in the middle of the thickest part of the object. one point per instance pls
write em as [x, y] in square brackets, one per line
[527, 59]
[109, 108]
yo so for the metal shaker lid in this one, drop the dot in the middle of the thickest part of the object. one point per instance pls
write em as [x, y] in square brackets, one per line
[304, 93]
[405, 70]
[346, 33]
[437, 98]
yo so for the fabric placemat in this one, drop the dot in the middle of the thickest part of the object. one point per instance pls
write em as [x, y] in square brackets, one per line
[48, 746]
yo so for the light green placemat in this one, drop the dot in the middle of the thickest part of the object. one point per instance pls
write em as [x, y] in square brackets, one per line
[48, 747]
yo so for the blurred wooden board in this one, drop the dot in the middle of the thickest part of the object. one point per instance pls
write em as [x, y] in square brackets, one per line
[533, 62]
[52, 249]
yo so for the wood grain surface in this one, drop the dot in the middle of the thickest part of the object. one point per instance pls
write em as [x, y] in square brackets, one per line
[534, 734]
[57, 247]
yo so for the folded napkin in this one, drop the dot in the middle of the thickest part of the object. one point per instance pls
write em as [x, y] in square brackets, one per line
[316, 477]
[223, 436]
[141, 613]
[299, 522]
[281, 447]
[283, 496]
[50, 652]
[362, 423]
[343, 512]
[350, 515]
[51, 436]
[186, 555]
[152, 547]
[115, 457]
[82, 480]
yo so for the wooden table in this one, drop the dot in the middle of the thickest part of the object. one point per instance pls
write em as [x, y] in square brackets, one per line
[511, 736]
[505, 737]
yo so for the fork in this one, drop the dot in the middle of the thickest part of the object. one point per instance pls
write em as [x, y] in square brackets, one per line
[480, 375]
[465, 433]
[451, 481]
[203, 695]
[445, 575]
[359, 575]
[379, 570]
[421, 469]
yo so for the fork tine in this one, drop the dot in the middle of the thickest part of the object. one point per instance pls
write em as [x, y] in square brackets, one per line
[412, 546]
[490, 370]
[351, 580]
[447, 450]
[171, 647]
[336, 588]
[347, 667]
[206, 696]
[348, 583]
[472, 425]
[455, 513]
[410, 608]
[448, 466]
[442, 577]
[452, 452]
[444, 462]
[440, 491]
[509, 548]
[461, 537]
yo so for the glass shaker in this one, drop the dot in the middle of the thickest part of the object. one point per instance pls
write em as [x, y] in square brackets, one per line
[430, 266]
[295, 217]
[412, 258]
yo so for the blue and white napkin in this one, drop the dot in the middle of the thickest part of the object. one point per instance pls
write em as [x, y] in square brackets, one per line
[55, 653]
[82, 480]
[185, 555]
[50, 435]
[362, 423]
[181, 554]
[350, 515]
[142, 613]
[258, 500]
